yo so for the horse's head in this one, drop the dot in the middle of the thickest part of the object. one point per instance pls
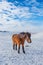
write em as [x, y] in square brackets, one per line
[28, 37]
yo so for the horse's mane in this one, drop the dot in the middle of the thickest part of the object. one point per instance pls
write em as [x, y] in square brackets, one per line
[25, 33]
[29, 34]
[22, 33]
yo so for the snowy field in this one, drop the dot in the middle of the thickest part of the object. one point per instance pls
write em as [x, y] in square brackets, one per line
[33, 55]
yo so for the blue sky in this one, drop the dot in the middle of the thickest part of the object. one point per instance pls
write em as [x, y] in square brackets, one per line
[19, 14]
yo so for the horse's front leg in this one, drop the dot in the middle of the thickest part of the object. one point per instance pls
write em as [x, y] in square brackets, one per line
[18, 48]
[23, 47]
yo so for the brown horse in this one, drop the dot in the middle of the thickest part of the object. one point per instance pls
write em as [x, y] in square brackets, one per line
[19, 39]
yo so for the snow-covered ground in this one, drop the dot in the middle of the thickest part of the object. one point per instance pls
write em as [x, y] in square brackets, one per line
[34, 51]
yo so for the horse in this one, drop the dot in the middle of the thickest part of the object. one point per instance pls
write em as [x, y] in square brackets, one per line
[19, 39]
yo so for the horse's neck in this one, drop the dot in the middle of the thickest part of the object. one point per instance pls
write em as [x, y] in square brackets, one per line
[21, 35]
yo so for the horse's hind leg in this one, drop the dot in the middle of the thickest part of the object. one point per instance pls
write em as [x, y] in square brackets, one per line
[13, 46]
[23, 48]
[16, 46]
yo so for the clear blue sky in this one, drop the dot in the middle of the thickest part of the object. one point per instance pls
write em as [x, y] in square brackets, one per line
[21, 14]
[35, 7]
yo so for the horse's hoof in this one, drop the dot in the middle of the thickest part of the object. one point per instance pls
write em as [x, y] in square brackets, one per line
[16, 48]
[13, 48]
[24, 52]
[18, 52]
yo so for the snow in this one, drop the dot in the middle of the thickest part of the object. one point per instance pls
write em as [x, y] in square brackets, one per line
[33, 55]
